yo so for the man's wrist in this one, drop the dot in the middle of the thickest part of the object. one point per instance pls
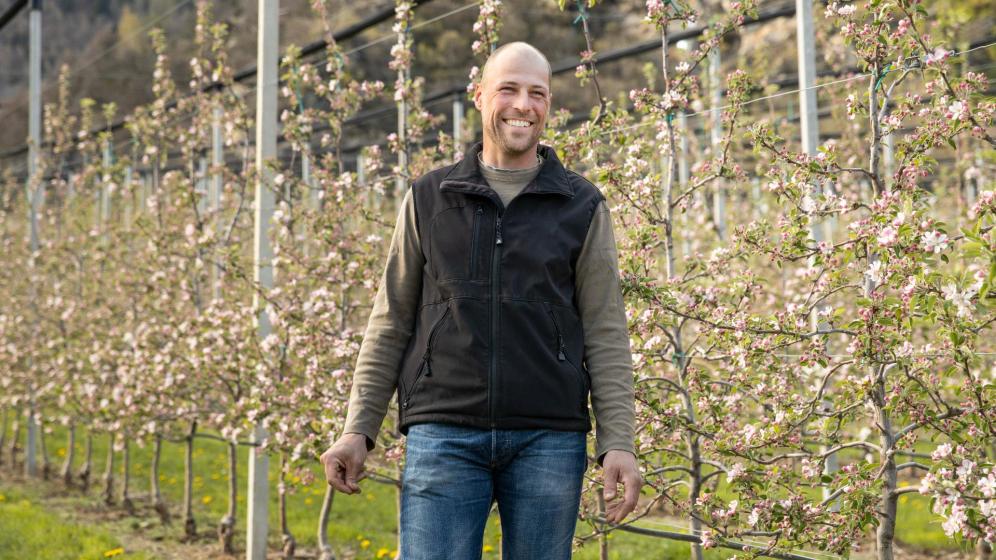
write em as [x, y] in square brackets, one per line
[367, 440]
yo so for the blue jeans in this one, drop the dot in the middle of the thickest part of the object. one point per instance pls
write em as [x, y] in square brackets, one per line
[453, 473]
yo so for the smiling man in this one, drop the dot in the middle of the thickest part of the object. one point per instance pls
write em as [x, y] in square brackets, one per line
[499, 313]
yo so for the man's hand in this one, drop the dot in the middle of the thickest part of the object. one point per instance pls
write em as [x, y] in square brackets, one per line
[344, 463]
[620, 467]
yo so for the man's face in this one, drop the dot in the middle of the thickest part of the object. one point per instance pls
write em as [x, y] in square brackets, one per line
[514, 100]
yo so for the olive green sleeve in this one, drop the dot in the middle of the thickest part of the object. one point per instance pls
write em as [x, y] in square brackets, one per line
[606, 337]
[389, 328]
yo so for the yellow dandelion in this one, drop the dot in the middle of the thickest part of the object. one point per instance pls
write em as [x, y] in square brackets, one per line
[207, 500]
[308, 501]
[162, 478]
[365, 544]
[394, 553]
[114, 552]
[61, 452]
[198, 479]
[370, 497]
[489, 548]
[216, 476]
[382, 552]
[295, 479]
[3, 498]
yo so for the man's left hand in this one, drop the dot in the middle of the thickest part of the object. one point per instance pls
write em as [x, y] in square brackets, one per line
[620, 467]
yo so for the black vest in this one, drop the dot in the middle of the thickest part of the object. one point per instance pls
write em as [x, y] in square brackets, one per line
[497, 341]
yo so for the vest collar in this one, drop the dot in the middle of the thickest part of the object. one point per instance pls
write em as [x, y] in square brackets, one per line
[466, 175]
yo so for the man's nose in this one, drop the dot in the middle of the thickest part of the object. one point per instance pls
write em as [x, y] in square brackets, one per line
[521, 101]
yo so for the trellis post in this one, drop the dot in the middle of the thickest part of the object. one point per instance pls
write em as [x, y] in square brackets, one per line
[716, 83]
[458, 110]
[810, 132]
[214, 191]
[34, 190]
[266, 150]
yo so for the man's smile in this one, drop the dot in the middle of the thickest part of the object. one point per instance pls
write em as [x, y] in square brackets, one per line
[517, 123]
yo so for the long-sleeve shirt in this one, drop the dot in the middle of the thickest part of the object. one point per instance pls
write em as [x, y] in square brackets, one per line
[600, 305]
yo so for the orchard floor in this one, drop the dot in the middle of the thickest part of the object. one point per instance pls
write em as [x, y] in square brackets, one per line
[44, 521]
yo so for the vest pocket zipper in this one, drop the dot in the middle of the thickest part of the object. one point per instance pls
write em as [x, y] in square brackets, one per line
[562, 348]
[473, 246]
[425, 368]
[561, 355]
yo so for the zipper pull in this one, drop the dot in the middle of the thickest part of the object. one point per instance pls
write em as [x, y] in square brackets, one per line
[405, 404]
[560, 353]
[498, 231]
[480, 209]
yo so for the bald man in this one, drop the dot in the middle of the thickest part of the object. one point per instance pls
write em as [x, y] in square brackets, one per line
[498, 314]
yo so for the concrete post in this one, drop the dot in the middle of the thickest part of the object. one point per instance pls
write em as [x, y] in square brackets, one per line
[266, 149]
[458, 111]
[34, 191]
[214, 190]
[718, 195]
[810, 132]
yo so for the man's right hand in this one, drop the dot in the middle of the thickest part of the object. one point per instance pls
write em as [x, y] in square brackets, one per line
[344, 463]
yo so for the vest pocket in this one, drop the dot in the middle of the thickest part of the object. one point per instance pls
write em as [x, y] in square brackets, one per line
[425, 366]
[561, 349]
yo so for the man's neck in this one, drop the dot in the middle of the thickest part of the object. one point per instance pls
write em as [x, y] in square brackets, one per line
[494, 157]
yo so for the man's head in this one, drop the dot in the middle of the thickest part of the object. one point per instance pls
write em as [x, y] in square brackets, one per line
[514, 99]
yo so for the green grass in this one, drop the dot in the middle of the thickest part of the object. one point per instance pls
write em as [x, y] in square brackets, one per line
[28, 530]
[361, 526]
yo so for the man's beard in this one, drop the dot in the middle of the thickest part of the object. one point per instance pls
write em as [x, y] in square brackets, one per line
[509, 145]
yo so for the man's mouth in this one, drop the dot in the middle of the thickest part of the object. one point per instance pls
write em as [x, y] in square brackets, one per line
[517, 123]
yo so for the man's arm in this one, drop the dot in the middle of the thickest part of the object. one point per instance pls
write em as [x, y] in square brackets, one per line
[389, 328]
[606, 336]
[610, 363]
[376, 375]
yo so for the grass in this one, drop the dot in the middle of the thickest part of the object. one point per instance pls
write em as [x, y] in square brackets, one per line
[30, 531]
[361, 527]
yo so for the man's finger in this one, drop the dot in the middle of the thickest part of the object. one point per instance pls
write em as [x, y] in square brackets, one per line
[610, 480]
[632, 492]
[353, 475]
[334, 472]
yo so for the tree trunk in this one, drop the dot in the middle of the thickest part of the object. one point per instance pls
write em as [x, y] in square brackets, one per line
[886, 533]
[13, 443]
[155, 493]
[288, 539]
[109, 472]
[189, 525]
[603, 541]
[226, 527]
[126, 478]
[67, 467]
[324, 546]
[87, 466]
[3, 435]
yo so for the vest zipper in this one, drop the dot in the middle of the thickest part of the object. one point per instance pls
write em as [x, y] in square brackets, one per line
[473, 245]
[495, 309]
[561, 355]
[426, 367]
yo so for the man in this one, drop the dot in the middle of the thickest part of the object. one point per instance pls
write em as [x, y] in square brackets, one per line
[498, 311]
